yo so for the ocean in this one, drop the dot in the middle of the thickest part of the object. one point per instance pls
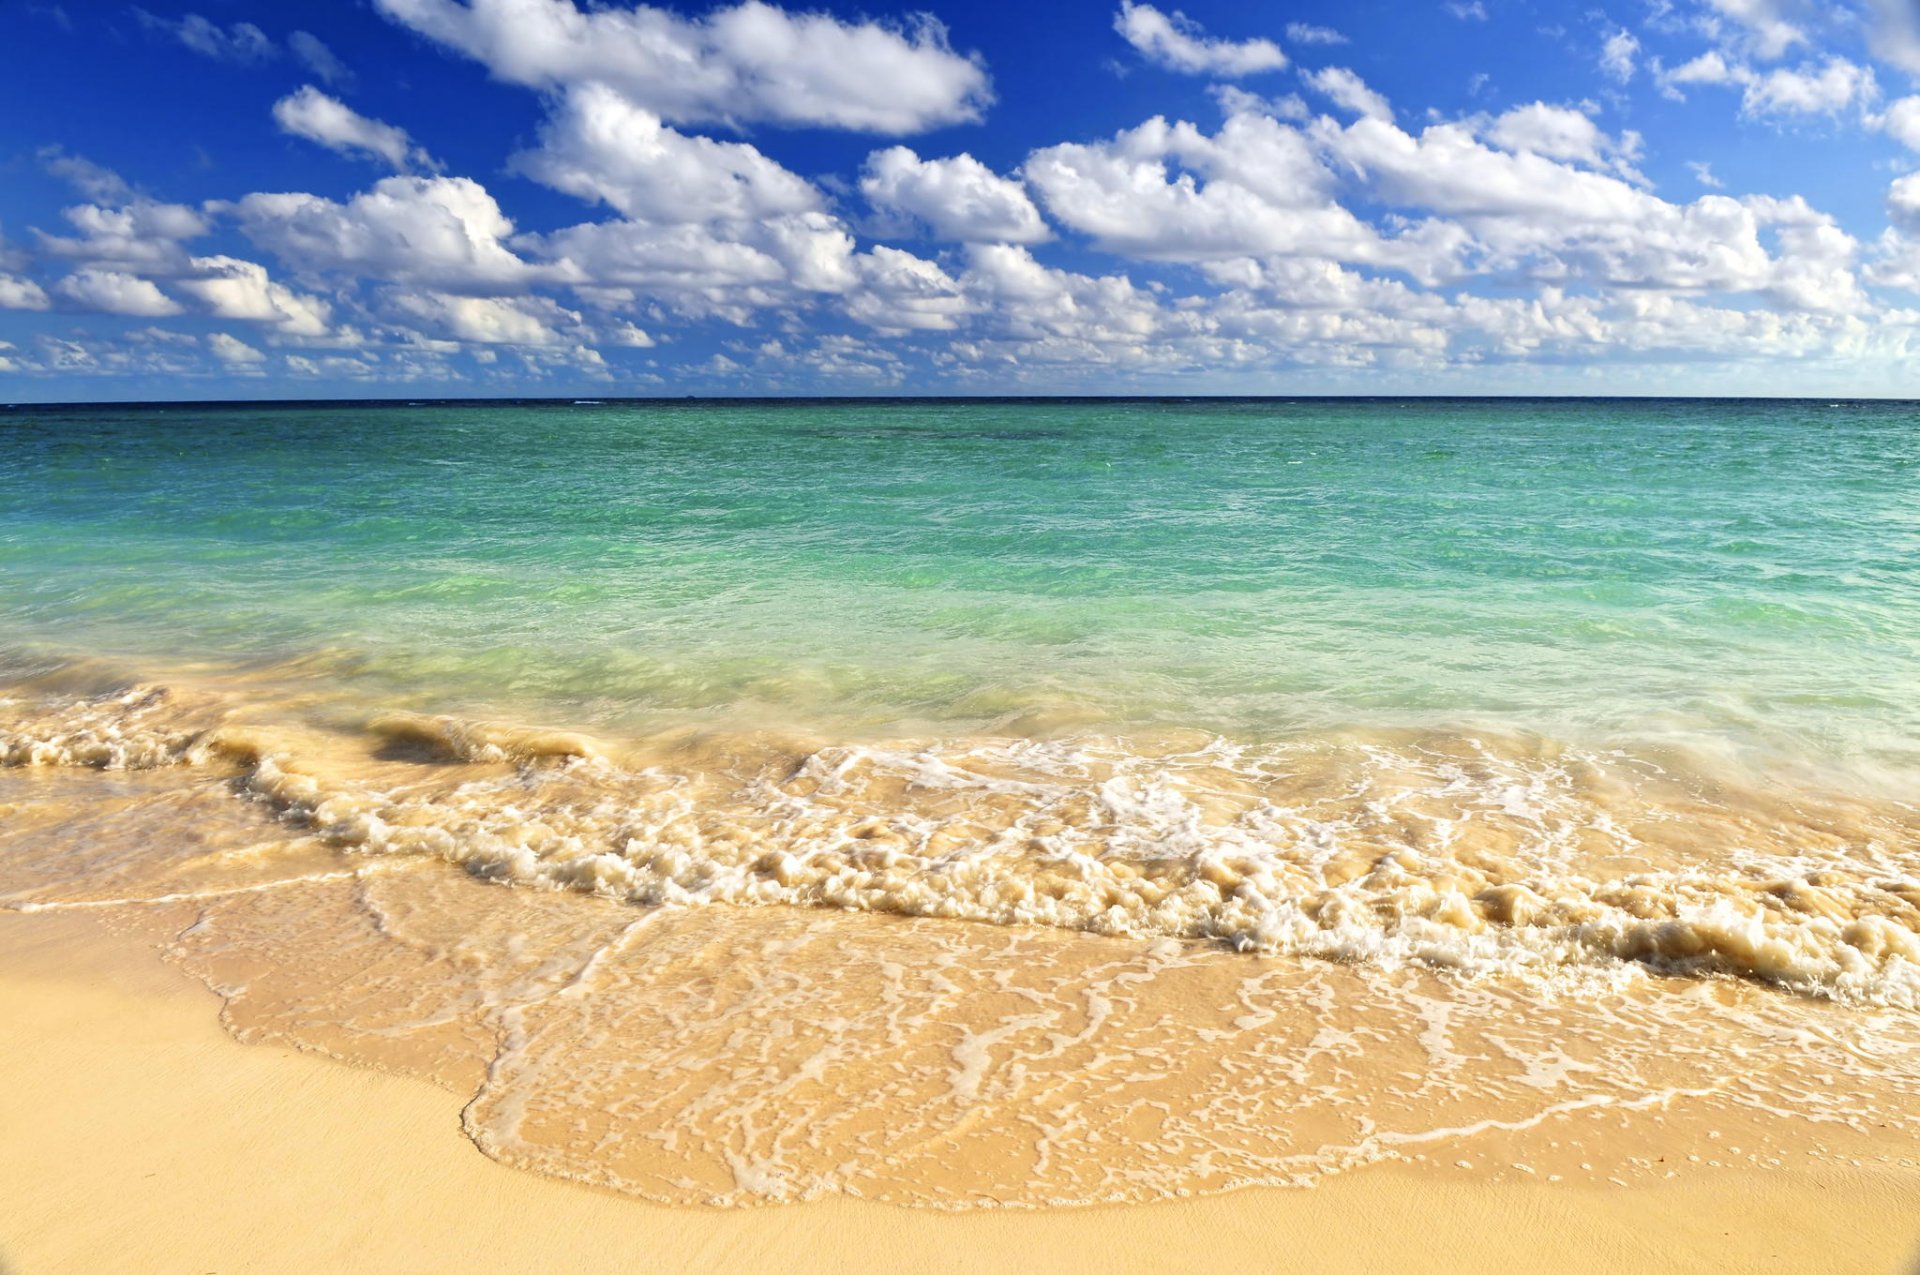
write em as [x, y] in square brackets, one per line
[1022, 802]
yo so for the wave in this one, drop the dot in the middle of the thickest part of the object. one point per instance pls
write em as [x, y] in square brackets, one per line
[1491, 856]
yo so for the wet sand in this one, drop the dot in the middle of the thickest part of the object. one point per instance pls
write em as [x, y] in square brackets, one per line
[140, 1136]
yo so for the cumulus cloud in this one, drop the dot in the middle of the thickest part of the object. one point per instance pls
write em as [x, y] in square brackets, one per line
[229, 288]
[904, 293]
[1179, 44]
[602, 147]
[21, 294]
[749, 62]
[116, 292]
[311, 114]
[1822, 88]
[143, 235]
[1561, 132]
[234, 352]
[1901, 122]
[446, 231]
[490, 320]
[958, 198]
[1903, 203]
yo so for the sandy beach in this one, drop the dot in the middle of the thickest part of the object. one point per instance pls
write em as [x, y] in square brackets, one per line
[141, 1137]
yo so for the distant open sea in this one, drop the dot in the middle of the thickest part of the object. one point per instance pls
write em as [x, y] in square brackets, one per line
[1622, 691]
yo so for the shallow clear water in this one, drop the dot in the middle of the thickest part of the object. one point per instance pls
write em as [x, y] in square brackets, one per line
[1734, 571]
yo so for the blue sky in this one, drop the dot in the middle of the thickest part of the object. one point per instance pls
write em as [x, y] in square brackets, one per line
[440, 198]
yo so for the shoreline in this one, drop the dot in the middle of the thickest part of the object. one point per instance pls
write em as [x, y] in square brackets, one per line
[142, 1136]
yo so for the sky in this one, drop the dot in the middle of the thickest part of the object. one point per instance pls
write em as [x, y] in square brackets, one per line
[517, 198]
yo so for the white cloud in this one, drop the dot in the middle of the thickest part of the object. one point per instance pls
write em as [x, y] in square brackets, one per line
[1559, 222]
[241, 42]
[1830, 87]
[749, 62]
[1617, 55]
[99, 184]
[311, 114]
[1901, 122]
[725, 270]
[229, 288]
[233, 352]
[21, 294]
[313, 54]
[1827, 87]
[958, 198]
[1307, 33]
[1175, 42]
[445, 231]
[142, 235]
[1561, 132]
[1903, 203]
[1703, 173]
[1761, 27]
[600, 146]
[115, 292]
[1350, 92]
[1467, 10]
[1893, 33]
[490, 320]
[903, 293]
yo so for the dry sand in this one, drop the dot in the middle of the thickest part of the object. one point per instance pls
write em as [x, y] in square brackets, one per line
[135, 1135]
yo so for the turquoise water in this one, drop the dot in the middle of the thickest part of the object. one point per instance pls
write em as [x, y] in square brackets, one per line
[1740, 571]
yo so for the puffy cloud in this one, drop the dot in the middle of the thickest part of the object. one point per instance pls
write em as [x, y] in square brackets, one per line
[241, 42]
[749, 62]
[21, 294]
[442, 231]
[1903, 204]
[115, 292]
[600, 146]
[1830, 87]
[233, 352]
[229, 288]
[1561, 222]
[724, 269]
[1826, 88]
[1901, 121]
[489, 320]
[1617, 55]
[1175, 42]
[1349, 92]
[958, 198]
[903, 293]
[311, 114]
[142, 235]
[1560, 132]
[1258, 187]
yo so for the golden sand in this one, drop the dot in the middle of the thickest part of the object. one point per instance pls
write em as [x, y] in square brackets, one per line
[140, 1137]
